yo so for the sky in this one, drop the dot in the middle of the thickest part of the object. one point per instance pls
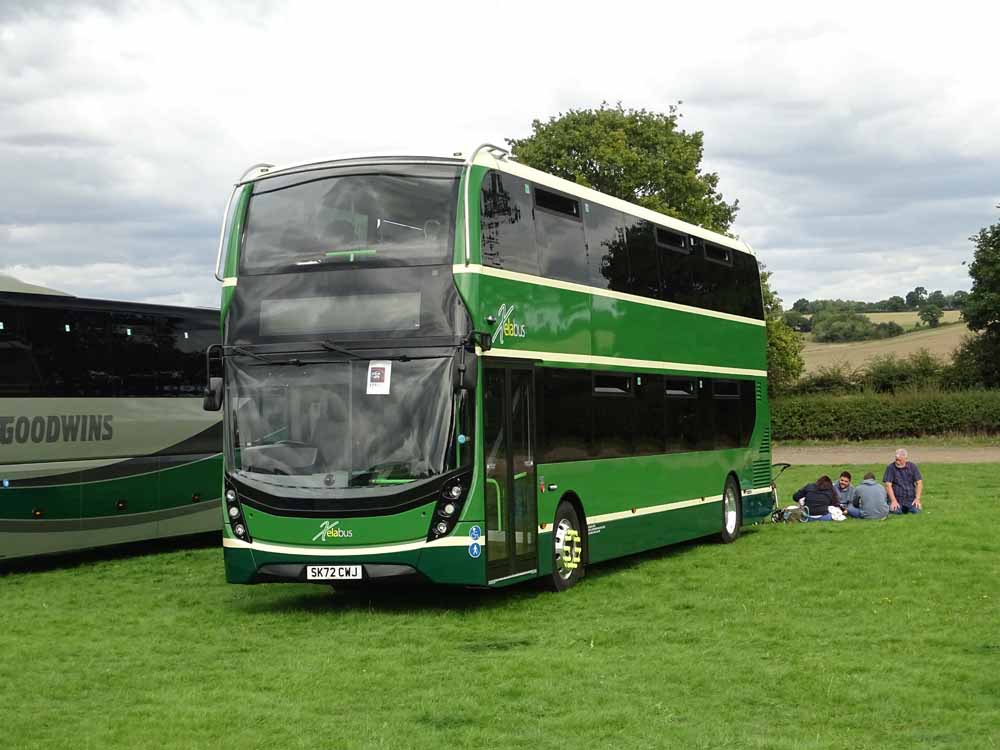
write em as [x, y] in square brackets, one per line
[860, 141]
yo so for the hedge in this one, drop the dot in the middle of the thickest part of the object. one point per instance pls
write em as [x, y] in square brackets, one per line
[869, 415]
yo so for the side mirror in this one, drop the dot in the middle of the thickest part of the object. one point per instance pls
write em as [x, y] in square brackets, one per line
[213, 395]
[466, 372]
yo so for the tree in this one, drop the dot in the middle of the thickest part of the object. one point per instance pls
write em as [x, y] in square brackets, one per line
[797, 321]
[982, 305]
[895, 304]
[639, 156]
[958, 299]
[915, 298]
[981, 308]
[936, 298]
[931, 315]
[803, 306]
[784, 346]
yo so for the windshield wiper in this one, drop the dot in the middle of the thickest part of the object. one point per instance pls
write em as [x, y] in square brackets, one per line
[245, 353]
[331, 347]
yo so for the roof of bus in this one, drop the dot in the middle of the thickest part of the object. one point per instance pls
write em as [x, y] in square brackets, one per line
[10, 284]
[509, 165]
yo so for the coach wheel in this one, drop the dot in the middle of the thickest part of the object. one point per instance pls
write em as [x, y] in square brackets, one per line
[568, 548]
[731, 511]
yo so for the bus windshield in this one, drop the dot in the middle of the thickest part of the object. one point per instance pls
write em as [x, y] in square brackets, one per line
[329, 218]
[339, 425]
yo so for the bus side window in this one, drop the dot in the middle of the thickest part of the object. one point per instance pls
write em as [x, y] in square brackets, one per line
[564, 414]
[607, 255]
[614, 412]
[748, 409]
[747, 278]
[650, 419]
[559, 233]
[644, 274]
[726, 412]
[506, 226]
[676, 266]
[682, 414]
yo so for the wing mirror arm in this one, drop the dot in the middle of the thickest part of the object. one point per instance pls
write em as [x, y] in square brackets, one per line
[212, 400]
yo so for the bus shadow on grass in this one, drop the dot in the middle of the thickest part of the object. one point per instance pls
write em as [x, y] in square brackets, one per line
[395, 598]
[415, 595]
[623, 564]
[80, 558]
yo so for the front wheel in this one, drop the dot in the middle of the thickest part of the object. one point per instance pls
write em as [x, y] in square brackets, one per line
[568, 548]
[731, 512]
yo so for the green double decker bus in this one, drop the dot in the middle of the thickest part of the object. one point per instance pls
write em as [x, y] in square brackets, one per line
[478, 373]
[103, 438]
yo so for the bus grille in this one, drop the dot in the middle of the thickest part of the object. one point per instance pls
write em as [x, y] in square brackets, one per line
[762, 473]
[762, 466]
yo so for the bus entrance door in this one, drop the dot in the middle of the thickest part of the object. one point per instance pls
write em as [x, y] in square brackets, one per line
[511, 507]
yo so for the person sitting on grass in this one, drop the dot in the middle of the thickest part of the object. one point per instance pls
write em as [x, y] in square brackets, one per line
[817, 497]
[844, 491]
[870, 500]
[904, 484]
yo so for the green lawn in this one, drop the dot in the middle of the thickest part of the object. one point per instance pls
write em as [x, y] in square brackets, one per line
[853, 635]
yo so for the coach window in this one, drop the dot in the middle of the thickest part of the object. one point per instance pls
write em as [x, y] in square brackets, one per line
[726, 413]
[93, 366]
[564, 409]
[507, 229]
[682, 414]
[650, 415]
[607, 255]
[562, 250]
[133, 349]
[19, 373]
[644, 273]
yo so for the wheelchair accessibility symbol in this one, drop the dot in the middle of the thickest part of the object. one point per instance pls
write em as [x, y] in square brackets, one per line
[475, 550]
[475, 532]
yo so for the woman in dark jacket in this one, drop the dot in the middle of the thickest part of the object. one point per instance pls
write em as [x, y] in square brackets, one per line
[818, 496]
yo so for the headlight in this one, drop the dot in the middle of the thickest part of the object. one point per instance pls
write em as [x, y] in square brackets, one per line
[454, 492]
[448, 509]
[240, 530]
[231, 496]
[441, 528]
[234, 512]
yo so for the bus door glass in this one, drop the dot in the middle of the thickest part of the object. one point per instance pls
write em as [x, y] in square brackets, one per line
[511, 507]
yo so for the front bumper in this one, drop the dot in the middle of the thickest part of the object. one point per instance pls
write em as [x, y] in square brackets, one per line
[447, 560]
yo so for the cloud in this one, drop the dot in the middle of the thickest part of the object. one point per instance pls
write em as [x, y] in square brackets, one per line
[859, 141]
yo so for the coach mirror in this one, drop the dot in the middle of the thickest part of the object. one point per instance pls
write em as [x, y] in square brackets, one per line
[213, 395]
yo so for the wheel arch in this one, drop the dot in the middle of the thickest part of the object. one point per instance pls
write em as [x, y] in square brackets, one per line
[739, 496]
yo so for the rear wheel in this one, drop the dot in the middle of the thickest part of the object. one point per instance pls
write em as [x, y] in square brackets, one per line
[568, 548]
[732, 511]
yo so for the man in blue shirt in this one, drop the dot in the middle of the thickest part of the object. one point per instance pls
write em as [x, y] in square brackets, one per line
[904, 484]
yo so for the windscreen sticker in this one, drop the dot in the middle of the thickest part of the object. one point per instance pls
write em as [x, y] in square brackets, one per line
[379, 375]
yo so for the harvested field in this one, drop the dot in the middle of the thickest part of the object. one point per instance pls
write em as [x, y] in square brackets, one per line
[910, 319]
[940, 342]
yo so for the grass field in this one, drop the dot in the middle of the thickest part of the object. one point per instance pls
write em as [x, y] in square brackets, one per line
[941, 342]
[857, 635]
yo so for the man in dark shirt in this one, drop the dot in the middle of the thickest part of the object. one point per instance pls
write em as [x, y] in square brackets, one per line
[904, 484]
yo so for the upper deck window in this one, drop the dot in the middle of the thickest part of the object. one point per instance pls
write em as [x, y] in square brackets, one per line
[395, 216]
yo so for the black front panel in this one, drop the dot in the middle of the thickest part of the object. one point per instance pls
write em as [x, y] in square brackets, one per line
[344, 305]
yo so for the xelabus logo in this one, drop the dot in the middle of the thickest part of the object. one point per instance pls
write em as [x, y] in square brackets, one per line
[507, 325]
[332, 530]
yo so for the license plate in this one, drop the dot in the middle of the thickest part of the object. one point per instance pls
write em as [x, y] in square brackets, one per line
[333, 572]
